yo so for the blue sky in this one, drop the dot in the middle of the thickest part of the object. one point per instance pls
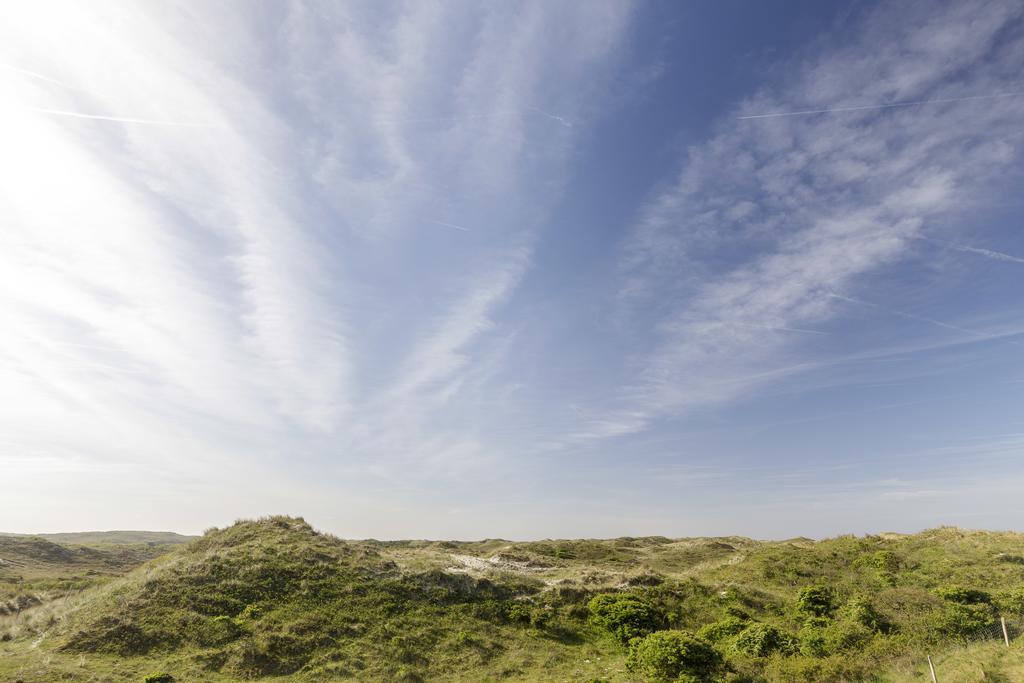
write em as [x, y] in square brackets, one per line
[463, 270]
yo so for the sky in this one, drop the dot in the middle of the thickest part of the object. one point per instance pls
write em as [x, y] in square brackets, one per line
[512, 269]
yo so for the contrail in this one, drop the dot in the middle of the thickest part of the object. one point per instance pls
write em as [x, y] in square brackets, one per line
[988, 253]
[119, 119]
[450, 225]
[833, 110]
[565, 122]
[39, 76]
[467, 117]
[997, 255]
[920, 318]
[777, 328]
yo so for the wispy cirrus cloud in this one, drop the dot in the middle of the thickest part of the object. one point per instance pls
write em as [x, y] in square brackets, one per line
[220, 249]
[775, 215]
[369, 259]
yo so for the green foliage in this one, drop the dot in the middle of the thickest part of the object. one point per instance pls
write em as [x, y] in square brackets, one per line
[674, 656]
[158, 678]
[885, 560]
[761, 640]
[725, 628]
[273, 597]
[965, 621]
[811, 637]
[528, 615]
[624, 615]
[860, 610]
[846, 635]
[886, 564]
[519, 613]
[1011, 601]
[963, 595]
[816, 601]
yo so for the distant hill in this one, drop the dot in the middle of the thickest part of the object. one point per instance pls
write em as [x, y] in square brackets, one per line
[30, 558]
[111, 537]
[275, 599]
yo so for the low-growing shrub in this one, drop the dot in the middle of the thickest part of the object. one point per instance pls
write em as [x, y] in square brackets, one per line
[674, 656]
[811, 638]
[1011, 601]
[846, 635]
[518, 613]
[860, 610]
[725, 628]
[965, 621]
[528, 615]
[624, 615]
[816, 601]
[760, 640]
[158, 678]
[964, 596]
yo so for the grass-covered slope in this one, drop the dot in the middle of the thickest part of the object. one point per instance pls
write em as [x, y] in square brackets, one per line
[111, 537]
[275, 599]
[34, 570]
[30, 557]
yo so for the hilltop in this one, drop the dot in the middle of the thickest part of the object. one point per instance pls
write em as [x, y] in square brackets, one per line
[273, 598]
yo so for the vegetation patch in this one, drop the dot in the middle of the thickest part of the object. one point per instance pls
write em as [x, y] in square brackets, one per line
[273, 599]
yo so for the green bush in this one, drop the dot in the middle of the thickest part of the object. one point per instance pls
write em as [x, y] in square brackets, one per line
[816, 601]
[811, 638]
[158, 678]
[540, 616]
[861, 611]
[624, 615]
[846, 635]
[965, 621]
[964, 596]
[725, 628]
[760, 640]
[518, 613]
[1011, 601]
[521, 613]
[885, 560]
[674, 656]
[822, 637]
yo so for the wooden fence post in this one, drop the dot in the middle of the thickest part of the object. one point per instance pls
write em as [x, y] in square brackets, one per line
[1006, 636]
[932, 669]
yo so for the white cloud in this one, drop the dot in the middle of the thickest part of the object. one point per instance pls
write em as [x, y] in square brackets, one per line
[226, 293]
[772, 217]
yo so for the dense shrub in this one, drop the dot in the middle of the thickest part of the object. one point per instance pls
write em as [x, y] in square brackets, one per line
[674, 656]
[846, 635]
[624, 615]
[158, 678]
[885, 563]
[816, 601]
[518, 613]
[822, 637]
[528, 615]
[760, 640]
[811, 638]
[861, 611]
[725, 628]
[885, 560]
[965, 621]
[1011, 601]
[964, 596]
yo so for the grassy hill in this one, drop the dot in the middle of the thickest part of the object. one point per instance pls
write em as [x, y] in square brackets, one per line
[111, 537]
[273, 599]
